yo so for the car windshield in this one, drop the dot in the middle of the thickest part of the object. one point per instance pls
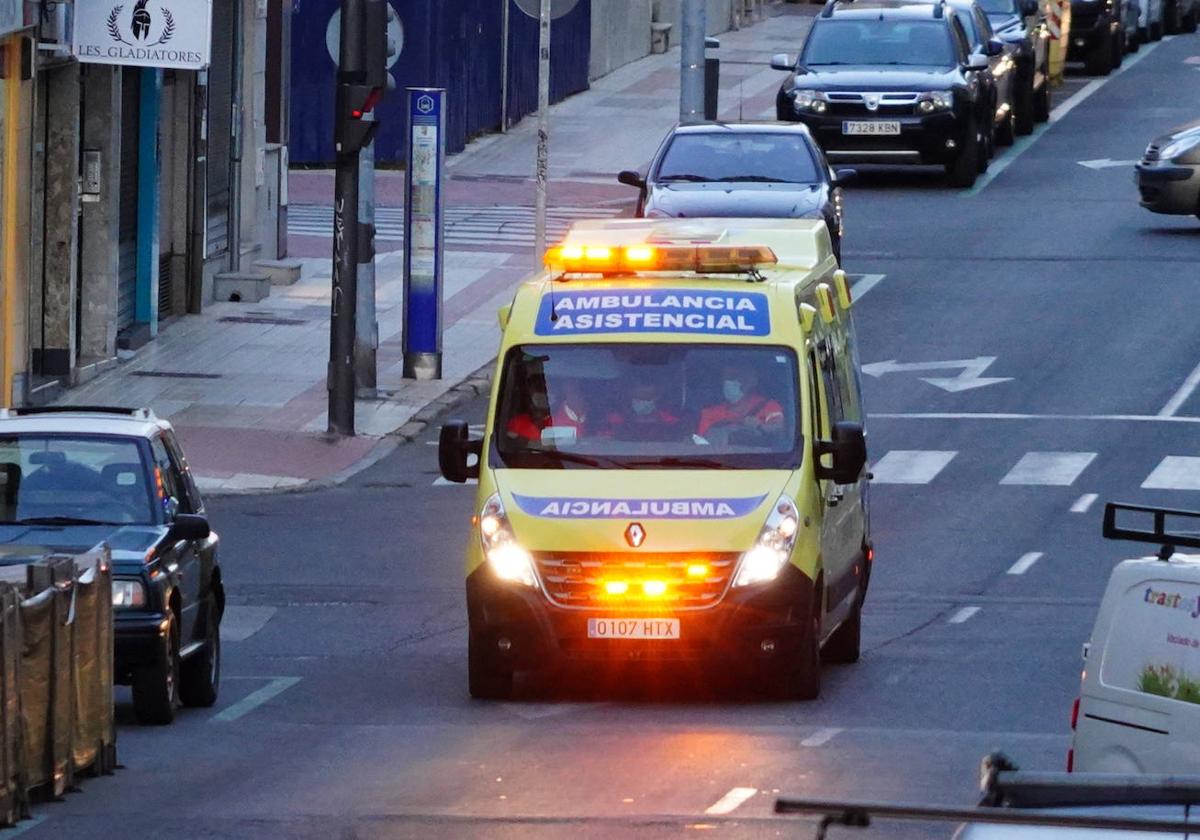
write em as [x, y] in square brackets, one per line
[739, 157]
[906, 42]
[61, 480]
[648, 406]
[998, 7]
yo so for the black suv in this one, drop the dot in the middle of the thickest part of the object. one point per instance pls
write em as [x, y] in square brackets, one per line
[881, 81]
[1020, 23]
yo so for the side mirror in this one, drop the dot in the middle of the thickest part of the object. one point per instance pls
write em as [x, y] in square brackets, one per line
[189, 526]
[454, 450]
[631, 178]
[849, 450]
[1029, 7]
[977, 62]
[994, 47]
[782, 61]
[844, 176]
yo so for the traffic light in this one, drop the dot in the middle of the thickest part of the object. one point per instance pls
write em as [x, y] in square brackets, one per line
[363, 76]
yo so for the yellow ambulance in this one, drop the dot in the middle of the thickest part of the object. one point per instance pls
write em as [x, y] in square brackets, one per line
[673, 467]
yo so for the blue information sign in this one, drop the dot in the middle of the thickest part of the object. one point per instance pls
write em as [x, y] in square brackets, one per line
[423, 230]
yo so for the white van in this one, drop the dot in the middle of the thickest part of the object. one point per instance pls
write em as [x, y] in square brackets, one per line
[1139, 705]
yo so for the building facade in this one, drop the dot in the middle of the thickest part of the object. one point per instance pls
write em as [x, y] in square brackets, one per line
[141, 171]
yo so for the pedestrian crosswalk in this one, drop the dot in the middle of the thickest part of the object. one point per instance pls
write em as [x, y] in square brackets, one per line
[500, 225]
[1031, 469]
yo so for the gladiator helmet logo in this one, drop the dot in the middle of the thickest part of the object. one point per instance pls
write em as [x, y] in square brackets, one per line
[141, 21]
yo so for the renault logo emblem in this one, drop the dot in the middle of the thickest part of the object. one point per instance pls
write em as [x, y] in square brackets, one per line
[635, 535]
[872, 101]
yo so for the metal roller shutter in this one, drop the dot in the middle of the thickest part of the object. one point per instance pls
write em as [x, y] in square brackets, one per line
[128, 212]
[220, 122]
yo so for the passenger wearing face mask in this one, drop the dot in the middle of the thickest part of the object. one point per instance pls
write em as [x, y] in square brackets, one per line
[743, 406]
[643, 416]
[570, 411]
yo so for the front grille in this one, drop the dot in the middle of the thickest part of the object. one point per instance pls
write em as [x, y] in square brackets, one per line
[577, 579]
[849, 104]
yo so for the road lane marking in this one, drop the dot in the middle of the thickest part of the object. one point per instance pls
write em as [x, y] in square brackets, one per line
[731, 801]
[1025, 563]
[865, 284]
[1182, 395]
[443, 482]
[963, 615]
[910, 466]
[252, 701]
[1057, 469]
[983, 415]
[537, 711]
[1060, 111]
[1175, 472]
[822, 737]
[240, 623]
[1084, 502]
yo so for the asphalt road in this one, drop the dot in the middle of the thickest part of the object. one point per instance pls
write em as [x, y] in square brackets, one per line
[344, 711]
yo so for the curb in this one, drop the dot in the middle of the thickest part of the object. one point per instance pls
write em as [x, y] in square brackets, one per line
[466, 389]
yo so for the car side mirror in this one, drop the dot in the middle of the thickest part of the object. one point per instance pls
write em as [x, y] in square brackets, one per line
[1029, 7]
[844, 176]
[455, 449]
[994, 47]
[848, 446]
[189, 526]
[631, 178]
[977, 62]
[782, 61]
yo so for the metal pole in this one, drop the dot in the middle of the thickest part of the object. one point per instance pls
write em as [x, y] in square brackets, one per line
[543, 148]
[691, 63]
[504, 65]
[366, 331]
[9, 221]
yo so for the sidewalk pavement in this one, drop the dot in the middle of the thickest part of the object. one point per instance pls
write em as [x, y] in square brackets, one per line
[244, 384]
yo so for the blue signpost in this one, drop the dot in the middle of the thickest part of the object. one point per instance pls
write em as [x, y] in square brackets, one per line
[423, 226]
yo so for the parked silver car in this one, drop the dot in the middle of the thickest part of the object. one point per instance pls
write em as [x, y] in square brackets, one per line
[1168, 175]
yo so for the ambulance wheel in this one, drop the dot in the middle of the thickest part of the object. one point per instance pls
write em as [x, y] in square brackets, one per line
[487, 679]
[844, 646]
[801, 680]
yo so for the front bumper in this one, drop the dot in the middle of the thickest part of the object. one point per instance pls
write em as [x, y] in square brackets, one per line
[138, 642]
[733, 632]
[922, 139]
[1169, 188]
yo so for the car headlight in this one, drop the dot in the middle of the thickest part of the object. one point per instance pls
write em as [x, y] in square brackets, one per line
[936, 100]
[128, 594]
[774, 545]
[1179, 147]
[810, 100]
[503, 553]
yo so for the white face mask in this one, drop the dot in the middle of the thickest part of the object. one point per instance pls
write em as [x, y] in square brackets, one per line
[732, 389]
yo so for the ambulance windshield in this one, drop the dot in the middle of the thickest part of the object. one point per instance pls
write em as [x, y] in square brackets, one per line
[648, 406]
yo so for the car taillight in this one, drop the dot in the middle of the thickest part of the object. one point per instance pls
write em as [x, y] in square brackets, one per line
[1075, 714]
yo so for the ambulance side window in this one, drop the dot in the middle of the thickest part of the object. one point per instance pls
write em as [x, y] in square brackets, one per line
[831, 381]
[816, 404]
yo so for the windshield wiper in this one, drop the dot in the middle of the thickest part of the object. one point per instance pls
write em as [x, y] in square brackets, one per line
[59, 520]
[699, 179]
[673, 461]
[762, 179]
[574, 457]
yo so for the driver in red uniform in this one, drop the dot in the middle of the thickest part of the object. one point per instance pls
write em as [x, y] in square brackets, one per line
[743, 405]
[571, 411]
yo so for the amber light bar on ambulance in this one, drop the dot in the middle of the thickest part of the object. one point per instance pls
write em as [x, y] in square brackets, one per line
[629, 259]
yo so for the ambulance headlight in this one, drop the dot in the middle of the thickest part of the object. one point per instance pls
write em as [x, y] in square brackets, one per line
[504, 555]
[774, 546]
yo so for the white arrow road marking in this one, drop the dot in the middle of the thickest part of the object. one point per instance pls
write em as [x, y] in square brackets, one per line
[1105, 163]
[731, 801]
[971, 376]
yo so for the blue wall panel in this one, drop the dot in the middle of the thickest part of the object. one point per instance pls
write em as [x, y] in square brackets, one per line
[453, 44]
